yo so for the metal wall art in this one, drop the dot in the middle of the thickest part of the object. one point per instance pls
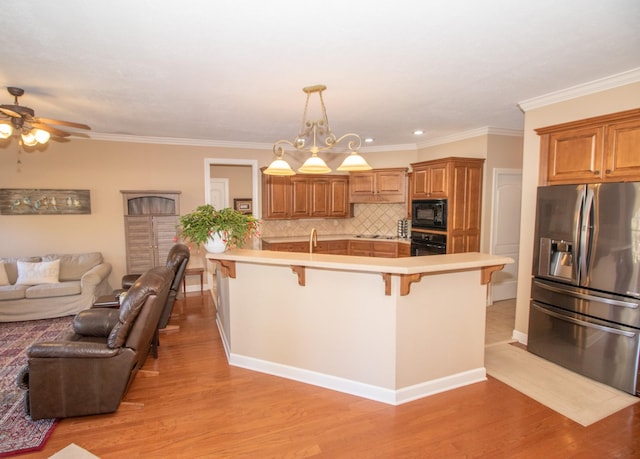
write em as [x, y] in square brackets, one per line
[22, 201]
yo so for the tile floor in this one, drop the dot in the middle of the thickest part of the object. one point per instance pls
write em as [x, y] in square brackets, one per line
[501, 317]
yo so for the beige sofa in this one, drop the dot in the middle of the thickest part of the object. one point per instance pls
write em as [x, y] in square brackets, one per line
[61, 288]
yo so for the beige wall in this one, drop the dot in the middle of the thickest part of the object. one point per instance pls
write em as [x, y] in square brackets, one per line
[105, 168]
[604, 102]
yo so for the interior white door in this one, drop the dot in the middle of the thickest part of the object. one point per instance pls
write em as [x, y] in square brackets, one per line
[505, 231]
[219, 192]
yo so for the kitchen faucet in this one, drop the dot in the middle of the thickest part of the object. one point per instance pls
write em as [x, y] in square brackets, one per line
[313, 240]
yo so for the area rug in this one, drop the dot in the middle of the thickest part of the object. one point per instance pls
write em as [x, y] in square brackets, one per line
[581, 399]
[18, 433]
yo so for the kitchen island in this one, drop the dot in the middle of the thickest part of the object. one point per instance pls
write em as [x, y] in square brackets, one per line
[391, 330]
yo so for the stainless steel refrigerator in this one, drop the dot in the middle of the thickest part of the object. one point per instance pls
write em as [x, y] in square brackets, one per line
[585, 296]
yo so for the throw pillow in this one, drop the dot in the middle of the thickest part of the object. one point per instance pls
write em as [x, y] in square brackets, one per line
[4, 280]
[45, 272]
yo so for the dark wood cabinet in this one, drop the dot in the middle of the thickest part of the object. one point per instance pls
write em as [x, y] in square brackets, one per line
[600, 149]
[304, 196]
[378, 185]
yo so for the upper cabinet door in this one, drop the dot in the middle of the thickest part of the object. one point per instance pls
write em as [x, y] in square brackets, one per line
[378, 185]
[575, 156]
[601, 149]
[430, 180]
[623, 151]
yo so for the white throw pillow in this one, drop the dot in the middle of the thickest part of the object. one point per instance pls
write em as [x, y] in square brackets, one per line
[4, 280]
[45, 272]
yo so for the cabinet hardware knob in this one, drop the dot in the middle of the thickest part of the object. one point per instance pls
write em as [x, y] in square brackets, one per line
[608, 171]
[596, 172]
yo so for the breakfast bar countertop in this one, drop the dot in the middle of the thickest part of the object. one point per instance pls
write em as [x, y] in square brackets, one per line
[404, 265]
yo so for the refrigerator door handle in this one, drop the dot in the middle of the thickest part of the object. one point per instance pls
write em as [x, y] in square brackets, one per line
[582, 323]
[585, 236]
[584, 296]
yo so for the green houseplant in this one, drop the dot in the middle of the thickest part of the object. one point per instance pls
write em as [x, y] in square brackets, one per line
[233, 228]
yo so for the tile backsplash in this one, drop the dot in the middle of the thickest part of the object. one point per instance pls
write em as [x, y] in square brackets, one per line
[368, 219]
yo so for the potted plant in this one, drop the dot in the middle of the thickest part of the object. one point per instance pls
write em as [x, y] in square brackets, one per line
[218, 229]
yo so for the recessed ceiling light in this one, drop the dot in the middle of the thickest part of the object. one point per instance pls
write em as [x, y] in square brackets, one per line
[369, 139]
[418, 132]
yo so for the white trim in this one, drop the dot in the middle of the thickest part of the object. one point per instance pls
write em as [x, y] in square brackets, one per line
[223, 337]
[471, 134]
[522, 338]
[347, 386]
[175, 141]
[264, 146]
[255, 178]
[610, 82]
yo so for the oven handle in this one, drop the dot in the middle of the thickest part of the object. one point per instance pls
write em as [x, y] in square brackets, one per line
[584, 296]
[582, 323]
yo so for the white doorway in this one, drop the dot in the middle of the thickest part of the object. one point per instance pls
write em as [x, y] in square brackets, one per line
[505, 231]
[219, 192]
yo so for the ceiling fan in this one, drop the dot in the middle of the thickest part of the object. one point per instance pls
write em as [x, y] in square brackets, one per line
[33, 130]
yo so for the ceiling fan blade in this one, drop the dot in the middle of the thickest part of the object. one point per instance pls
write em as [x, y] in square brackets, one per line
[9, 112]
[51, 130]
[63, 123]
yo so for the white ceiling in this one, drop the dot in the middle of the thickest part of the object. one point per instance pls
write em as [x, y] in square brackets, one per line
[233, 70]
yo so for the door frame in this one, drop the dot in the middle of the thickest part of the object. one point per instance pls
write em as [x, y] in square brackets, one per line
[494, 208]
[208, 162]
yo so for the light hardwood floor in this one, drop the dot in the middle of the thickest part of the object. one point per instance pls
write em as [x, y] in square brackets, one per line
[198, 406]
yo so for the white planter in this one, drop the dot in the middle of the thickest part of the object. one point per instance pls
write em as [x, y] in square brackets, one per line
[216, 244]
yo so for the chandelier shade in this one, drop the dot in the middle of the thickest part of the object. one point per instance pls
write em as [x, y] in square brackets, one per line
[279, 167]
[315, 137]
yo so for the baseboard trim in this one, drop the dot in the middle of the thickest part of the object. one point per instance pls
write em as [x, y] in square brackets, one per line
[379, 394]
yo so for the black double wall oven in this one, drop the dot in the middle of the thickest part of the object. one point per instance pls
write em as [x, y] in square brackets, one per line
[428, 215]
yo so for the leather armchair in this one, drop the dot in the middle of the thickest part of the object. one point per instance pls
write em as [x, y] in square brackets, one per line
[90, 371]
[177, 260]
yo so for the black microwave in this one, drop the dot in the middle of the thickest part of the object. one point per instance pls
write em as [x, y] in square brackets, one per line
[429, 214]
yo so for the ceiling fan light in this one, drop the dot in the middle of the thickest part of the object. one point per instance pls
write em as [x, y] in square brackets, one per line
[42, 136]
[314, 165]
[5, 131]
[29, 139]
[354, 162]
[279, 167]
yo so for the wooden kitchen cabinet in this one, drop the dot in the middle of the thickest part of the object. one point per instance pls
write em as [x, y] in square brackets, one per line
[429, 180]
[459, 181]
[385, 249]
[276, 196]
[378, 185]
[404, 250]
[297, 246]
[304, 196]
[600, 149]
[368, 248]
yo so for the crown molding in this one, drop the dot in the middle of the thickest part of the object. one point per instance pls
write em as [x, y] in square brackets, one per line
[387, 148]
[592, 87]
[471, 134]
[176, 141]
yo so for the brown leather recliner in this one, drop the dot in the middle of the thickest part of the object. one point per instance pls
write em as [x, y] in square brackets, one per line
[177, 260]
[90, 371]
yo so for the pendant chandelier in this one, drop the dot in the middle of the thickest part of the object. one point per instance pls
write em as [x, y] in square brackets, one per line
[314, 137]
